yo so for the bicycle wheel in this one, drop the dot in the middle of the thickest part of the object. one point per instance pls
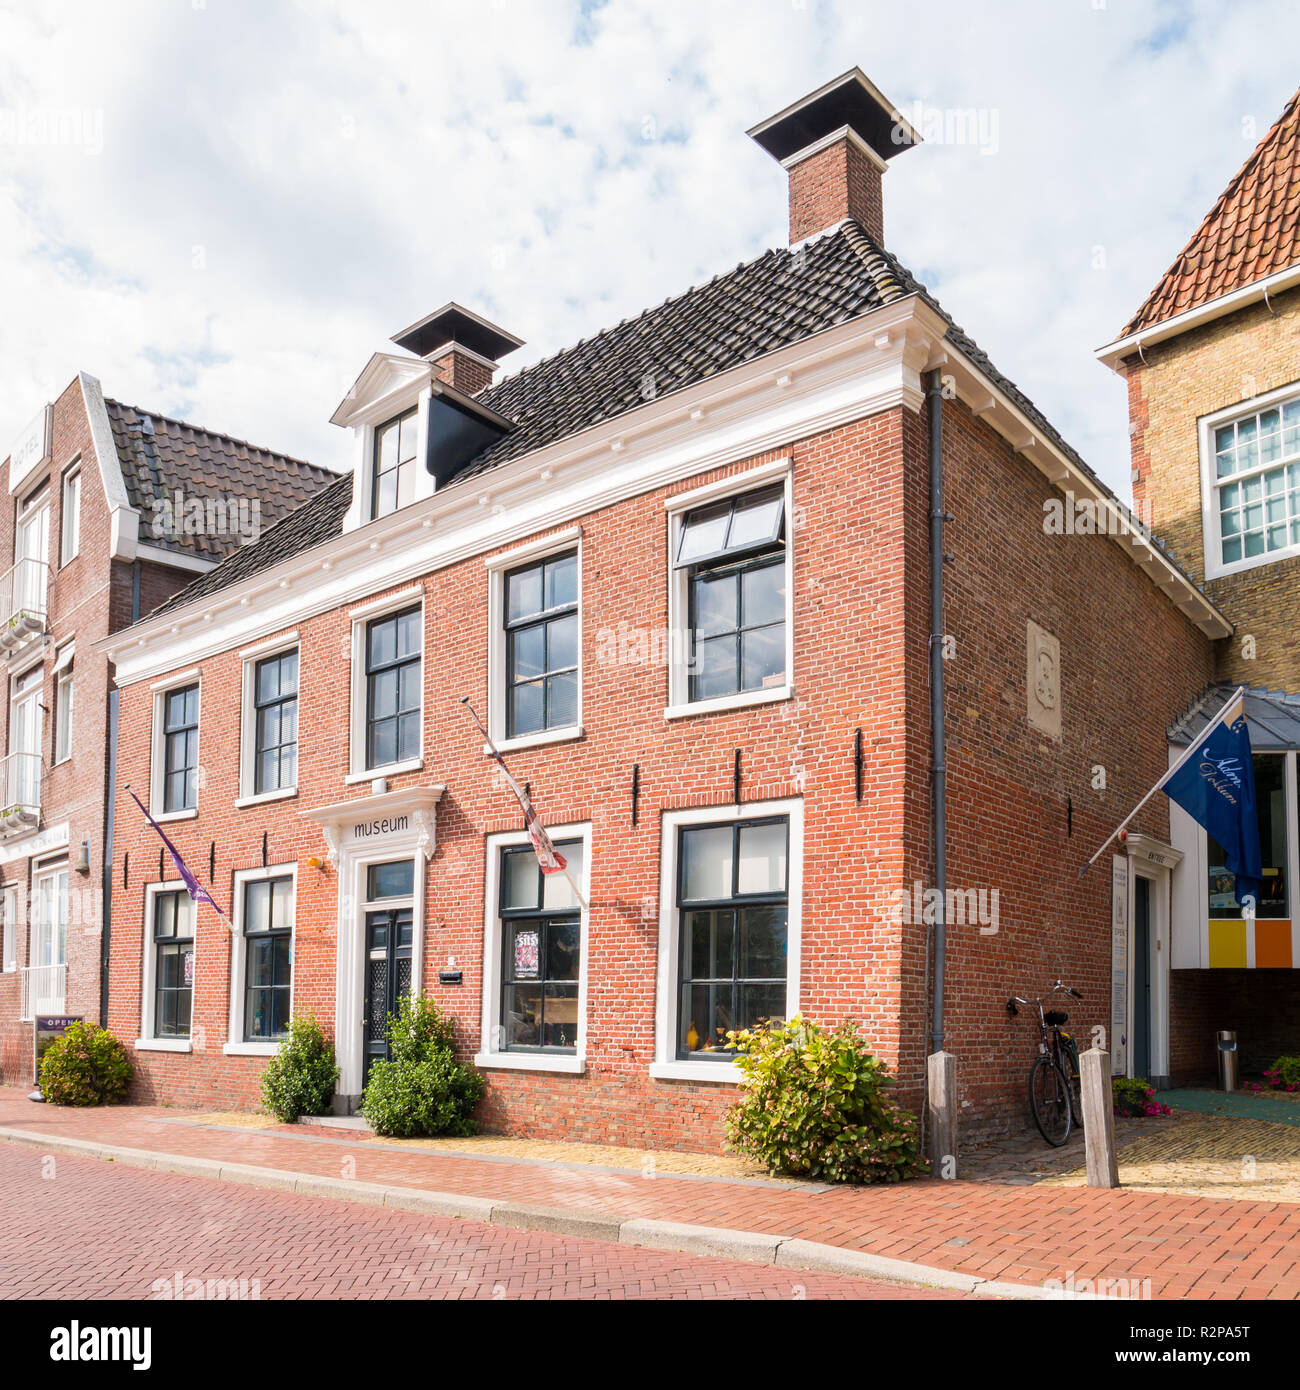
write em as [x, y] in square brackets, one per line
[1049, 1101]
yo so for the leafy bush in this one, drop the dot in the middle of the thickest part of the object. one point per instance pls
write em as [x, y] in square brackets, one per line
[1134, 1096]
[816, 1103]
[299, 1079]
[85, 1066]
[1284, 1074]
[421, 1088]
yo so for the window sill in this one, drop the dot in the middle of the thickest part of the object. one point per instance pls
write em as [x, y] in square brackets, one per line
[729, 702]
[162, 817]
[164, 1045]
[263, 797]
[388, 770]
[251, 1049]
[530, 1061]
[514, 745]
[723, 1073]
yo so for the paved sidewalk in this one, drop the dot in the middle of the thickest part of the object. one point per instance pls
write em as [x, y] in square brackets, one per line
[1187, 1246]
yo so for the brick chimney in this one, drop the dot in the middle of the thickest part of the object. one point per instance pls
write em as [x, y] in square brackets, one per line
[835, 144]
[462, 346]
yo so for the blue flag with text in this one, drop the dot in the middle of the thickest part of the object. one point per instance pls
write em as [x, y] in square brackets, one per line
[1215, 785]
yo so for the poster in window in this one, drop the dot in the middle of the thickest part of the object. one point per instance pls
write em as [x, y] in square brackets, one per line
[189, 968]
[525, 955]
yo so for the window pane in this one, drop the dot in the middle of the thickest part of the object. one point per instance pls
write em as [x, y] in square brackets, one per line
[716, 668]
[762, 658]
[561, 581]
[762, 858]
[394, 880]
[562, 700]
[521, 1015]
[281, 904]
[257, 901]
[560, 1016]
[761, 1001]
[383, 694]
[703, 532]
[562, 951]
[523, 593]
[706, 863]
[762, 943]
[756, 519]
[763, 595]
[707, 1015]
[381, 643]
[408, 633]
[528, 652]
[519, 878]
[527, 708]
[715, 604]
[408, 432]
[557, 891]
[562, 643]
[709, 944]
[386, 446]
[261, 969]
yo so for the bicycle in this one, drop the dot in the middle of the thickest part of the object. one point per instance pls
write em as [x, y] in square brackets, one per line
[1055, 1096]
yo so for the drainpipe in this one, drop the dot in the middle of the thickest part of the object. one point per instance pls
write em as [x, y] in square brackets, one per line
[938, 771]
[107, 932]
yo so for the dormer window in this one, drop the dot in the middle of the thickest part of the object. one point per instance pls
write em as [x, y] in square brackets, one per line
[393, 465]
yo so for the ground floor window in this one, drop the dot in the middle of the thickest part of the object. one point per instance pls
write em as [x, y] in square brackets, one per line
[173, 963]
[268, 955]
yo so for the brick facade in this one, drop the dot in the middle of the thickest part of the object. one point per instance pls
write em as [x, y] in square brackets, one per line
[837, 182]
[860, 549]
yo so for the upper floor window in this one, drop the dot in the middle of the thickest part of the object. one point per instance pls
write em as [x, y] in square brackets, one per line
[733, 556]
[275, 723]
[541, 632]
[63, 703]
[392, 656]
[393, 467]
[180, 749]
[1255, 486]
[70, 540]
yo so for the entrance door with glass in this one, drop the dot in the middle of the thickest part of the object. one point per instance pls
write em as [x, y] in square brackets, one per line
[389, 935]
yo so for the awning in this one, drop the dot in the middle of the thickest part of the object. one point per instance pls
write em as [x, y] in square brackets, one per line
[1272, 718]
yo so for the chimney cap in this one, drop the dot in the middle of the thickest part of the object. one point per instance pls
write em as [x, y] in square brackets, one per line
[454, 323]
[852, 100]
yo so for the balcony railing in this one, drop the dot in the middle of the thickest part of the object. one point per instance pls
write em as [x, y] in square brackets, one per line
[22, 603]
[44, 990]
[20, 792]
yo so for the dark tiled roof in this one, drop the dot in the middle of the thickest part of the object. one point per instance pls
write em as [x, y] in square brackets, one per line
[781, 298]
[1251, 232]
[160, 457]
[1272, 717]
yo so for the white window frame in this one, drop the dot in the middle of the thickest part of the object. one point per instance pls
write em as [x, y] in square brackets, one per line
[38, 926]
[70, 516]
[251, 656]
[1215, 567]
[490, 1055]
[680, 705]
[396, 403]
[361, 617]
[64, 678]
[667, 1066]
[148, 974]
[160, 690]
[9, 924]
[235, 1045]
[498, 566]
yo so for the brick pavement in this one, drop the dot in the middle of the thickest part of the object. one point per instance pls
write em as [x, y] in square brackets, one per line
[87, 1229]
[1194, 1247]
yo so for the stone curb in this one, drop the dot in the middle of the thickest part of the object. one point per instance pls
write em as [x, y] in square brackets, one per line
[713, 1242]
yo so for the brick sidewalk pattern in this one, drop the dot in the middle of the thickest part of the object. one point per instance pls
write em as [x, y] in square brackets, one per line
[1189, 1247]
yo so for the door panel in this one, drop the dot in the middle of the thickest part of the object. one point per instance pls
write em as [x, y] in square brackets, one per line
[387, 977]
[1141, 976]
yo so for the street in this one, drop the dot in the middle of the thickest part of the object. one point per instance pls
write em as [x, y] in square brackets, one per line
[73, 1228]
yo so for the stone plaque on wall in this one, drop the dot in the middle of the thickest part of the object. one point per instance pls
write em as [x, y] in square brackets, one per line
[1043, 681]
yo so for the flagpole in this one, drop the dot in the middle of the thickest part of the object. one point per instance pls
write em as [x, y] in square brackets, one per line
[496, 753]
[1191, 748]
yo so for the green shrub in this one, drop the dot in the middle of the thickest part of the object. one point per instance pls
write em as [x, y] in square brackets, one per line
[1134, 1096]
[421, 1088]
[1284, 1074]
[85, 1066]
[816, 1103]
[299, 1079]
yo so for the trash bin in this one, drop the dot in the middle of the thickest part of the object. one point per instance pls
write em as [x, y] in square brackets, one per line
[1227, 1049]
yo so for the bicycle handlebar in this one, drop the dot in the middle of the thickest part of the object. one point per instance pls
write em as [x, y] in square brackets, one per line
[1058, 988]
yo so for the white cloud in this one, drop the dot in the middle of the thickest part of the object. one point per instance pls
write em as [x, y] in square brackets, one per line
[280, 187]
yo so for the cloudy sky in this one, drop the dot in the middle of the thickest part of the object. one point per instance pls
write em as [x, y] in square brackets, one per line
[221, 207]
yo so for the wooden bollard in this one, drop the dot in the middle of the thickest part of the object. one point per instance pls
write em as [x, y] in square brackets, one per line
[1098, 1118]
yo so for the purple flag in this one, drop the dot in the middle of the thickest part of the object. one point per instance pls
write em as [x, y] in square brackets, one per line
[197, 892]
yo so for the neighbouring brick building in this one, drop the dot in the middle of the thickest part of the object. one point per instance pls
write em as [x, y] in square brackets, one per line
[99, 529]
[1212, 362]
[683, 568]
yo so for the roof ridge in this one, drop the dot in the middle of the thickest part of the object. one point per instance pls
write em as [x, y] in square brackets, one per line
[1233, 185]
[220, 434]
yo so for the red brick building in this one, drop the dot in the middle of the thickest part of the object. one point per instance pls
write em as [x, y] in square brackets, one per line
[111, 511]
[1212, 362]
[684, 570]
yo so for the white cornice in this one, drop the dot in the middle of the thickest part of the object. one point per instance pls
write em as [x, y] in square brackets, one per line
[1114, 353]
